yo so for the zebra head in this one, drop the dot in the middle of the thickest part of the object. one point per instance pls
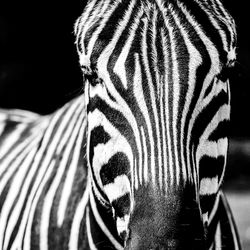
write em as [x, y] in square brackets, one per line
[158, 105]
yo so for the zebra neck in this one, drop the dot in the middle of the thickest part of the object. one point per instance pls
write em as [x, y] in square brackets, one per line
[46, 172]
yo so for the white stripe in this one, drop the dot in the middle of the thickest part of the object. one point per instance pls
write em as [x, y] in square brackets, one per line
[218, 245]
[145, 151]
[169, 166]
[77, 219]
[136, 179]
[69, 181]
[3, 115]
[18, 115]
[212, 148]
[154, 50]
[163, 125]
[122, 224]
[118, 188]
[2, 127]
[176, 95]
[209, 186]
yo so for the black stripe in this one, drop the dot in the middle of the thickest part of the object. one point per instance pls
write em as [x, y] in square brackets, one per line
[211, 167]
[117, 165]
[222, 131]
[207, 203]
[122, 205]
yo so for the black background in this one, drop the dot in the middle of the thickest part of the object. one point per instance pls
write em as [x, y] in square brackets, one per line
[39, 68]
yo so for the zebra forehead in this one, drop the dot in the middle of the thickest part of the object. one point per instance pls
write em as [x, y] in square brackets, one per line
[100, 23]
[157, 99]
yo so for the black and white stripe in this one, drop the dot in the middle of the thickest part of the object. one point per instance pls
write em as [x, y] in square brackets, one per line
[43, 179]
[138, 160]
[157, 90]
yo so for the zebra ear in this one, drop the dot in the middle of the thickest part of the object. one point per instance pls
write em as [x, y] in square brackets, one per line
[76, 25]
[89, 70]
[76, 33]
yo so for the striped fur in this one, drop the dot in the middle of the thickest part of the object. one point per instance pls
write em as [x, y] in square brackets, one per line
[158, 106]
[137, 162]
[43, 179]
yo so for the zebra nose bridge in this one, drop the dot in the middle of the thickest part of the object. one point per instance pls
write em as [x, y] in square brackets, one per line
[174, 236]
[166, 222]
[134, 244]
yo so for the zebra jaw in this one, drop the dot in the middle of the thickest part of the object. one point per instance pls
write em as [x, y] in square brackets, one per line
[118, 191]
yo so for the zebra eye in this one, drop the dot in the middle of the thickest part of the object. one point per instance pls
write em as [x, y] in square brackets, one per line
[86, 70]
[93, 78]
[224, 75]
[228, 71]
[90, 73]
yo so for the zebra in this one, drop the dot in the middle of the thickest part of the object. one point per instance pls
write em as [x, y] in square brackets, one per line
[137, 161]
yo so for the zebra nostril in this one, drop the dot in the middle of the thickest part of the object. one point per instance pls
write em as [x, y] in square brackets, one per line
[124, 235]
[169, 245]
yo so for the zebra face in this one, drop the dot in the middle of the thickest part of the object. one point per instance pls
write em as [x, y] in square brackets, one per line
[158, 106]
